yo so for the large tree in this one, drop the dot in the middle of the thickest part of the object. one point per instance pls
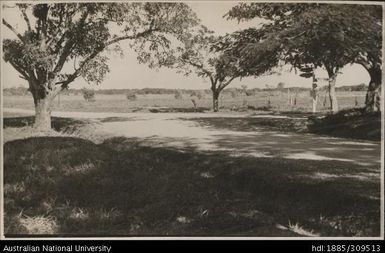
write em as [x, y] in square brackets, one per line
[60, 35]
[322, 35]
[197, 55]
[217, 58]
[369, 19]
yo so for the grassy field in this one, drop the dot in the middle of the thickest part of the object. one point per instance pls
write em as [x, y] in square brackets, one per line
[70, 186]
[119, 103]
[60, 185]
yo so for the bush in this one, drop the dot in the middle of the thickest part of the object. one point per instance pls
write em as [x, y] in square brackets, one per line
[178, 95]
[197, 94]
[88, 94]
[131, 96]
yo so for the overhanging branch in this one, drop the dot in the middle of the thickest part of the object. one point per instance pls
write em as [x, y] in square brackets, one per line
[23, 12]
[77, 73]
[131, 37]
[199, 66]
[13, 30]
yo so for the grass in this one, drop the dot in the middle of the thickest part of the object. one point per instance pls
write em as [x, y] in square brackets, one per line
[19, 127]
[162, 103]
[58, 123]
[61, 185]
[348, 123]
[300, 230]
[250, 124]
[353, 123]
[71, 186]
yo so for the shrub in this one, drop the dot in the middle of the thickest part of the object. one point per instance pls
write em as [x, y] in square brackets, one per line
[88, 94]
[131, 96]
[178, 95]
[249, 93]
[197, 94]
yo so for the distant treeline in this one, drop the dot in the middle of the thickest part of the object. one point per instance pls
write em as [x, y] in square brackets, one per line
[21, 91]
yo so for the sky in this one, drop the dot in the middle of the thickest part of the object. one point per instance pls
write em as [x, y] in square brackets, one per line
[127, 73]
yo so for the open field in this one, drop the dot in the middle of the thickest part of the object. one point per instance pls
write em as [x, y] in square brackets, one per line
[119, 103]
[188, 174]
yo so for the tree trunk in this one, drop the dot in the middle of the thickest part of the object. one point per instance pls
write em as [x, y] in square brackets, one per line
[314, 95]
[372, 100]
[43, 114]
[43, 95]
[289, 98]
[315, 100]
[215, 100]
[332, 93]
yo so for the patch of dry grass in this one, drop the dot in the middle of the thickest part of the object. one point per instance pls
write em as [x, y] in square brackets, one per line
[21, 127]
[296, 228]
[45, 225]
[31, 225]
[119, 103]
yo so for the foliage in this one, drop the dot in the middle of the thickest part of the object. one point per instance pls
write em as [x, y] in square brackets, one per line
[131, 96]
[217, 58]
[320, 34]
[88, 94]
[178, 94]
[60, 34]
[359, 87]
[280, 86]
[200, 55]
[312, 35]
[253, 51]
[197, 94]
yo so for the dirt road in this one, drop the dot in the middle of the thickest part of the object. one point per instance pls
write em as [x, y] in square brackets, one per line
[182, 131]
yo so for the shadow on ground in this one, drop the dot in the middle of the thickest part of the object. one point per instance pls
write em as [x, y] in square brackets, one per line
[58, 123]
[352, 123]
[70, 186]
[251, 124]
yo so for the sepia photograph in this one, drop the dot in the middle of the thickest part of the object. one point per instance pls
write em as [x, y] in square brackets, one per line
[192, 119]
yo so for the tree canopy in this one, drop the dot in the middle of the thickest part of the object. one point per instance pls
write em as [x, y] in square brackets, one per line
[318, 35]
[197, 55]
[58, 35]
[62, 32]
[200, 54]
